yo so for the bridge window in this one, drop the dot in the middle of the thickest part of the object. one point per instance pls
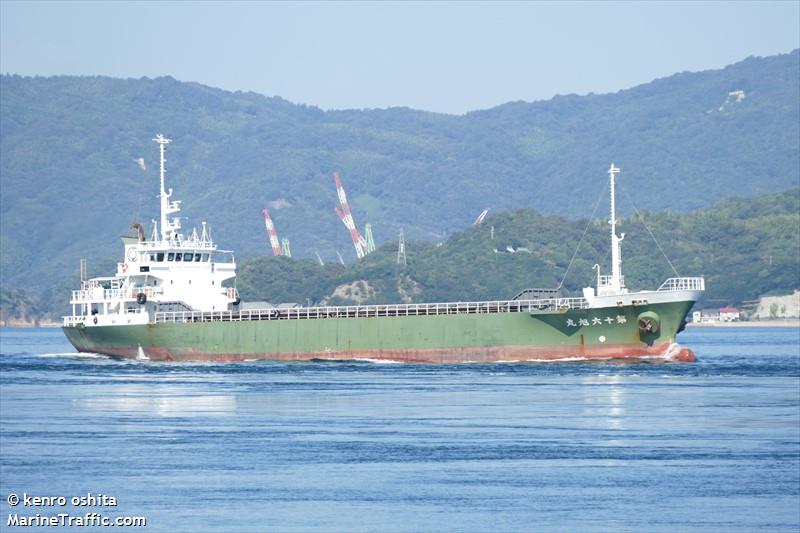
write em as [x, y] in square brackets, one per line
[160, 256]
[196, 258]
[188, 257]
[170, 256]
[205, 258]
[178, 257]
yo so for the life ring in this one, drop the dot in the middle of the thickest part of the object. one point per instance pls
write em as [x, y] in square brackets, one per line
[649, 323]
[94, 320]
[141, 298]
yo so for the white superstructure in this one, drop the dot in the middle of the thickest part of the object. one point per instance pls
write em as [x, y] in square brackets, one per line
[168, 272]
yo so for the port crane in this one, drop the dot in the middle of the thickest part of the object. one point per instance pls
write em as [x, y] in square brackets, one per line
[359, 242]
[273, 235]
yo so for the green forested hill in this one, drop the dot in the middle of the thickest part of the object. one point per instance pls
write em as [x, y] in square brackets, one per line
[71, 183]
[744, 248]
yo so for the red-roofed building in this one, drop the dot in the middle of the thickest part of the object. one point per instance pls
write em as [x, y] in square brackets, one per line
[728, 314]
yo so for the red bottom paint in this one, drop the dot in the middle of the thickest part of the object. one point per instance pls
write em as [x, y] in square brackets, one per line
[685, 355]
[494, 354]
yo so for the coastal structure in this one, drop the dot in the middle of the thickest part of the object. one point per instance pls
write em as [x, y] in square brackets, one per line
[173, 297]
[723, 314]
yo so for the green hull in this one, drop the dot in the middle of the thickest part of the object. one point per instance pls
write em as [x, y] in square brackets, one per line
[518, 336]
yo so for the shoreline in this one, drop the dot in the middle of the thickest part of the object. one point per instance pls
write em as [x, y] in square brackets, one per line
[22, 325]
[778, 323]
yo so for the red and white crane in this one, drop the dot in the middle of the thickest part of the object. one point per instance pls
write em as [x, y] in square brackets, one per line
[359, 243]
[273, 235]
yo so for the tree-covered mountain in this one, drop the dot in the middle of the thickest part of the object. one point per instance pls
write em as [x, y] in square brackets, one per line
[744, 248]
[72, 179]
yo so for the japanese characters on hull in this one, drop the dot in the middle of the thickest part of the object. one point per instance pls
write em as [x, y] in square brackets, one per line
[596, 321]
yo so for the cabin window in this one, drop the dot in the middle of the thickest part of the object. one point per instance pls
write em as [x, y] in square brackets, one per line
[160, 256]
[152, 257]
[196, 258]
[170, 256]
[188, 257]
[178, 257]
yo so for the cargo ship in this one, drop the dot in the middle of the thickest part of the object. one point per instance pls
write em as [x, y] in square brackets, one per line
[173, 298]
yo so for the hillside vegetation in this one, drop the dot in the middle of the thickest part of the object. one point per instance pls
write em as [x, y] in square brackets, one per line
[72, 179]
[744, 248]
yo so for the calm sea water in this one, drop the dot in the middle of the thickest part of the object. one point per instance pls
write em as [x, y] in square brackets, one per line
[264, 446]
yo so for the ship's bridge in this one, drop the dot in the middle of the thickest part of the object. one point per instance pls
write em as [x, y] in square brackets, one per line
[167, 269]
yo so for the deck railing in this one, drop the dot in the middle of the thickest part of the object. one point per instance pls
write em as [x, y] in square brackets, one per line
[367, 311]
[607, 280]
[174, 244]
[683, 284]
[94, 294]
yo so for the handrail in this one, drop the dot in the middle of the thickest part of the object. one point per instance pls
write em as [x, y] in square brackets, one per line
[371, 311]
[174, 244]
[606, 280]
[683, 284]
[94, 295]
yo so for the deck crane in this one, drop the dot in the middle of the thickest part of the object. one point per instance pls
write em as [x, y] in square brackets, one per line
[273, 235]
[359, 242]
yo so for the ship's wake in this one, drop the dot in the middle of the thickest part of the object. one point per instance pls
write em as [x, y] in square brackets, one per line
[72, 355]
[675, 353]
[678, 353]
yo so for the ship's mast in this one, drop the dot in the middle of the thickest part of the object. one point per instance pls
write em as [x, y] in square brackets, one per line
[169, 228]
[616, 282]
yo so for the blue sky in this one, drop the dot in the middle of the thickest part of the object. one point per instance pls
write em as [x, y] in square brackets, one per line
[447, 57]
